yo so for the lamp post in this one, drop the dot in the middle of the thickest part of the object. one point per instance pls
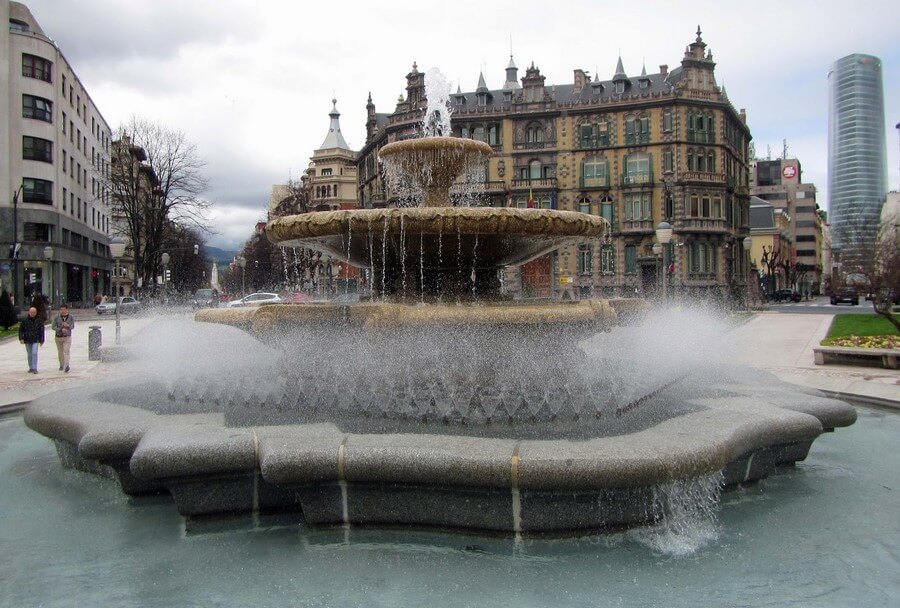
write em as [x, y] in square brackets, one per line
[242, 262]
[48, 256]
[747, 242]
[117, 250]
[165, 262]
[14, 252]
[657, 250]
[664, 235]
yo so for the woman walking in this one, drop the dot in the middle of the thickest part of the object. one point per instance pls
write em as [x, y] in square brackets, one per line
[31, 334]
[63, 324]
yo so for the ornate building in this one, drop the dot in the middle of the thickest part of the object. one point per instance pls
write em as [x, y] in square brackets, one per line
[637, 150]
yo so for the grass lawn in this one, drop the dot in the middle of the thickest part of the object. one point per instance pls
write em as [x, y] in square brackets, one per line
[860, 325]
[12, 331]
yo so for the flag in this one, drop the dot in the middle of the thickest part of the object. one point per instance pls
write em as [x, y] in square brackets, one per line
[509, 198]
[530, 199]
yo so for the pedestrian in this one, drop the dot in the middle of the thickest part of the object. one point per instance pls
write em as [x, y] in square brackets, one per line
[31, 334]
[63, 324]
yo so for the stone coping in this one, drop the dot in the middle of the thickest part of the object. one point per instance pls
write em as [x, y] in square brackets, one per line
[375, 316]
[187, 446]
[889, 356]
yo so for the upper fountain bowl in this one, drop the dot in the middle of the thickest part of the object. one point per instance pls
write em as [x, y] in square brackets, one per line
[434, 163]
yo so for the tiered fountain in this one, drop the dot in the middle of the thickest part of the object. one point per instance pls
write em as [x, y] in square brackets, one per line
[443, 404]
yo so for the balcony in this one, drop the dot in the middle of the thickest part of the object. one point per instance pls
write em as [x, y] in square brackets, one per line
[703, 176]
[637, 179]
[491, 187]
[534, 145]
[593, 143]
[593, 182]
[544, 183]
[637, 227]
[705, 225]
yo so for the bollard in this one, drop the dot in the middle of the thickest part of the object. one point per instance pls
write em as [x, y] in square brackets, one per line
[95, 339]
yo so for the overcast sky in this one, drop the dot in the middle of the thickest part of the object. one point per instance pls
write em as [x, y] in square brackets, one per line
[251, 82]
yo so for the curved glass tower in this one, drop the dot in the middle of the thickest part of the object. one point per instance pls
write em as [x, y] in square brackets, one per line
[857, 157]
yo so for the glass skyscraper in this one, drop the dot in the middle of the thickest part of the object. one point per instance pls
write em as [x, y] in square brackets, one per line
[857, 156]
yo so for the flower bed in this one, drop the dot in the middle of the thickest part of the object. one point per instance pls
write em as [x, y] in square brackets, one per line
[864, 341]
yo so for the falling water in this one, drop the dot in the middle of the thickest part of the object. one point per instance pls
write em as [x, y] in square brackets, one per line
[422, 266]
[347, 271]
[403, 255]
[384, 237]
[437, 114]
[475, 266]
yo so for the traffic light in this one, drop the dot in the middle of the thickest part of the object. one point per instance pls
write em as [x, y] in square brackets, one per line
[196, 249]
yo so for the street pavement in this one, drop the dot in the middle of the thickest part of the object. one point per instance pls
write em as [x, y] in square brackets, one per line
[778, 343]
[820, 305]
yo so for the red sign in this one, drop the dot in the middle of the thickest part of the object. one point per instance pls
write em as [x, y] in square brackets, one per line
[789, 172]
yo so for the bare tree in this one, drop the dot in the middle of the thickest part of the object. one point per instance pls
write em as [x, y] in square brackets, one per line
[874, 265]
[155, 179]
[770, 260]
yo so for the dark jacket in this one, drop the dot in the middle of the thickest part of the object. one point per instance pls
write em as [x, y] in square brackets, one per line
[31, 330]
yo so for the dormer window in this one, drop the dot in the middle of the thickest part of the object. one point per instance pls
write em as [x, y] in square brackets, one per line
[645, 84]
[620, 87]
[482, 101]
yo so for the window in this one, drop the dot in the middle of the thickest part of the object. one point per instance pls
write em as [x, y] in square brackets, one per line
[700, 128]
[36, 67]
[620, 87]
[607, 210]
[711, 161]
[35, 148]
[717, 207]
[326, 172]
[37, 108]
[637, 130]
[585, 259]
[494, 135]
[637, 206]
[478, 134]
[667, 121]
[630, 258]
[64, 197]
[607, 259]
[37, 190]
[637, 169]
[695, 206]
[534, 170]
[595, 135]
[37, 232]
[668, 161]
[534, 133]
[594, 173]
[702, 258]
[584, 205]
[18, 26]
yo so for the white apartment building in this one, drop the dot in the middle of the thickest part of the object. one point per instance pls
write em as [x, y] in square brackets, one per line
[54, 207]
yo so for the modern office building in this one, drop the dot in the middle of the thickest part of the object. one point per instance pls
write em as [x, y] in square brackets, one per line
[857, 156]
[780, 182]
[54, 146]
[636, 149]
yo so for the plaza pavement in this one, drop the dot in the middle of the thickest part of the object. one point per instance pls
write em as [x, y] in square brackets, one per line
[781, 344]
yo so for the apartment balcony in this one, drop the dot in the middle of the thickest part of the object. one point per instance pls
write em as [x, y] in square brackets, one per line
[593, 183]
[490, 187]
[703, 177]
[534, 145]
[703, 225]
[700, 137]
[637, 139]
[637, 227]
[543, 183]
[637, 179]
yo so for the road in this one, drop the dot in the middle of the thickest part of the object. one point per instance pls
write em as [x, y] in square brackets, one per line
[821, 305]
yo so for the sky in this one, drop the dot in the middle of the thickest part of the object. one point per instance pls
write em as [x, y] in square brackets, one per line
[251, 83]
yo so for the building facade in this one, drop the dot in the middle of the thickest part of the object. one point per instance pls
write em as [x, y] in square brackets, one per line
[54, 212]
[780, 183]
[857, 157]
[637, 150]
[772, 245]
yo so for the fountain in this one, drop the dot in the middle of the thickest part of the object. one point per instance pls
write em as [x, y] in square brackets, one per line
[445, 404]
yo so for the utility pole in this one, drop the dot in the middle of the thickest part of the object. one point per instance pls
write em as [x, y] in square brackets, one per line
[14, 252]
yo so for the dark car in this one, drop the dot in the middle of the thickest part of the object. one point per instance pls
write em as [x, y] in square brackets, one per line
[845, 294]
[786, 295]
[205, 298]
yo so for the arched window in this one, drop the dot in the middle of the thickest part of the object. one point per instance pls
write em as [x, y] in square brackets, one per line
[494, 135]
[607, 209]
[584, 205]
[691, 166]
[534, 169]
[478, 134]
[534, 133]
[335, 189]
[701, 161]
[711, 162]
[637, 168]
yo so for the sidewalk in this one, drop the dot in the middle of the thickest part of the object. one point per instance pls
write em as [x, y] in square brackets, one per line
[18, 387]
[783, 345]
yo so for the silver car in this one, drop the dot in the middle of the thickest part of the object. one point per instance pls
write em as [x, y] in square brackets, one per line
[128, 303]
[255, 299]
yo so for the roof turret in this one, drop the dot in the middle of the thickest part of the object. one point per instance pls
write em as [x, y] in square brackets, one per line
[334, 139]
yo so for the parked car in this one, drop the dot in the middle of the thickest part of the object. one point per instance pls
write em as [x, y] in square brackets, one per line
[845, 294]
[128, 304]
[205, 298]
[786, 295]
[256, 299]
[297, 297]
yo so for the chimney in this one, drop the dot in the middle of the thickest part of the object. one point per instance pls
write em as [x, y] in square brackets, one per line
[743, 115]
[664, 69]
[581, 79]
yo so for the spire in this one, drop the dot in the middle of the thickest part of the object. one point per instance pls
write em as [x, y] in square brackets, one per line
[512, 64]
[644, 68]
[512, 78]
[334, 139]
[482, 86]
[620, 69]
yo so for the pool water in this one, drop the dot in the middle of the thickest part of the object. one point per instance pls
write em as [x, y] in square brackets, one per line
[824, 533]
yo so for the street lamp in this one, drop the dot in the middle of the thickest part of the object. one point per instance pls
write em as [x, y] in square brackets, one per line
[657, 249]
[242, 262]
[14, 252]
[165, 262]
[747, 242]
[117, 250]
[664, 235]
[48, 255]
